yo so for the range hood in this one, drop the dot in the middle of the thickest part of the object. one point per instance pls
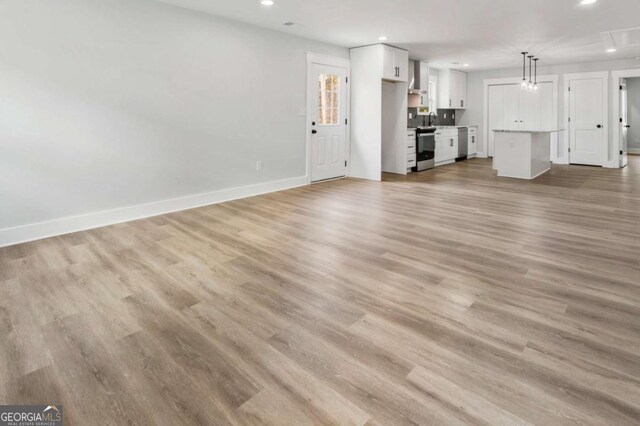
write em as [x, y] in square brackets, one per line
[418, 77]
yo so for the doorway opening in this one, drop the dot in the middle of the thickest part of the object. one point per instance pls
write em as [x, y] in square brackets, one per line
[626, 116]
[629, 118]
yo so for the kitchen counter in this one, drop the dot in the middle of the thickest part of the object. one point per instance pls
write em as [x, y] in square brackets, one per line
[439, 127]
[528, 131]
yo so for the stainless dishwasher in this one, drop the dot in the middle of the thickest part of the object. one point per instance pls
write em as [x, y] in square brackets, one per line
[463, 143]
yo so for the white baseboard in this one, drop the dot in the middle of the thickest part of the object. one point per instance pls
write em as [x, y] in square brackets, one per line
[66, 225]
[481, 155]
[613, 164]
[633, 150]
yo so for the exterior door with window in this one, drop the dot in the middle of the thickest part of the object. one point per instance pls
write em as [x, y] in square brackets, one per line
[328, 122]
[624, 124]
[587, 115]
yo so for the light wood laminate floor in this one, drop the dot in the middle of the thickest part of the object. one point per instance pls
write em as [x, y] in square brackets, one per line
[446, 297]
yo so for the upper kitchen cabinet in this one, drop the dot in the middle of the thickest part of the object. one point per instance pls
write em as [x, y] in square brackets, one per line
[452, 89]
[395, 64]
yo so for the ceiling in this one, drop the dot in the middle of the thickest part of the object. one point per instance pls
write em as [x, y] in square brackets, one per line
[485, 34]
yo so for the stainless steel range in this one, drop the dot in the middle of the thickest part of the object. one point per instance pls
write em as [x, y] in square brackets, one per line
[425, 148]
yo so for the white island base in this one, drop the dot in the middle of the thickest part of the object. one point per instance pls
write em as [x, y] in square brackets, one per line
[522, 154]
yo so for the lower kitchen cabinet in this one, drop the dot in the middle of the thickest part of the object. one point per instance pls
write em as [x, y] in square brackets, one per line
[472, 150]
[446, 146]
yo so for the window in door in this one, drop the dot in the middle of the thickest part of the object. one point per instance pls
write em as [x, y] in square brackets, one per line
[328, 100]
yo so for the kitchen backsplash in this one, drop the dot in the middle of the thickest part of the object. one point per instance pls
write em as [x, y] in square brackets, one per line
[440, 120]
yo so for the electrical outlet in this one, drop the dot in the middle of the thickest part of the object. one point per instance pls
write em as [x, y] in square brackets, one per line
[259, 165]
[445, 115]
[410, 115]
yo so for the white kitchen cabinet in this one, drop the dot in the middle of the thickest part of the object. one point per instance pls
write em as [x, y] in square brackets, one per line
[411, 149]
[452, 147]
[395, 64]
[472, 140]
[452, 89]
[446, 146]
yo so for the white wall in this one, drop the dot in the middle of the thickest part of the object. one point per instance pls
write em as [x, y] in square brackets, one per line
[633, 95]
[114, 103]
[473, 115]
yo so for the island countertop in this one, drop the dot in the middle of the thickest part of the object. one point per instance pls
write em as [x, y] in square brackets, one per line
[528, 131]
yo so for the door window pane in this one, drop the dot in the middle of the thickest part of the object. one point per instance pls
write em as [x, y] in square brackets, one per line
[328, 100]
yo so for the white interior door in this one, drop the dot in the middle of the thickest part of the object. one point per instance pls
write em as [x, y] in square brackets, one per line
[624, 124]
[328, 122]
[587, 120]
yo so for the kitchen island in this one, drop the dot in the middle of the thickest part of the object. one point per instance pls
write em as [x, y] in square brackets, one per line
[522, 154]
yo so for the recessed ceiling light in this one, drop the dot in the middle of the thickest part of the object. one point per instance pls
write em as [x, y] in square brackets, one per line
[583, 2]
[465, 65]
[383, 38]
[267, 2]
[613, 49]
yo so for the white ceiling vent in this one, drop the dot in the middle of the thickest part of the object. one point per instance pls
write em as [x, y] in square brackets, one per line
[622, 38]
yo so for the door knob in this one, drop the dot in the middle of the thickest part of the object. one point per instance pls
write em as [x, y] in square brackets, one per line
[627, 126]
[313, 132]
[599, 126]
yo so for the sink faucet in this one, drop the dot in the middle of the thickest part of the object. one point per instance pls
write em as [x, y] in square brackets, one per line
[431, 114]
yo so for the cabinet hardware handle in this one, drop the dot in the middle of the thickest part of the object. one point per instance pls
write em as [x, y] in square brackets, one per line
[599, 126]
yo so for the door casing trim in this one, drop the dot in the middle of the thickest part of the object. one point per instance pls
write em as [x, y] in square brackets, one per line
[604, 75]
[312, 59]
[615, 80]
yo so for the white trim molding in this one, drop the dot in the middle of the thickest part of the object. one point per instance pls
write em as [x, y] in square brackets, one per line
[617, 142]
[551, 78]
[604, 75]
[66, 225]
[315, 58]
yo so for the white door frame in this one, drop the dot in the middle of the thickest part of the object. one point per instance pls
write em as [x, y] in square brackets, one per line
[552, 78]
[615, 78]
[604, 75]
[312, 59]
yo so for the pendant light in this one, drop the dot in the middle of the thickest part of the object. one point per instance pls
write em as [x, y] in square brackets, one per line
[530, 85]
[524, 71]
[535, 75]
